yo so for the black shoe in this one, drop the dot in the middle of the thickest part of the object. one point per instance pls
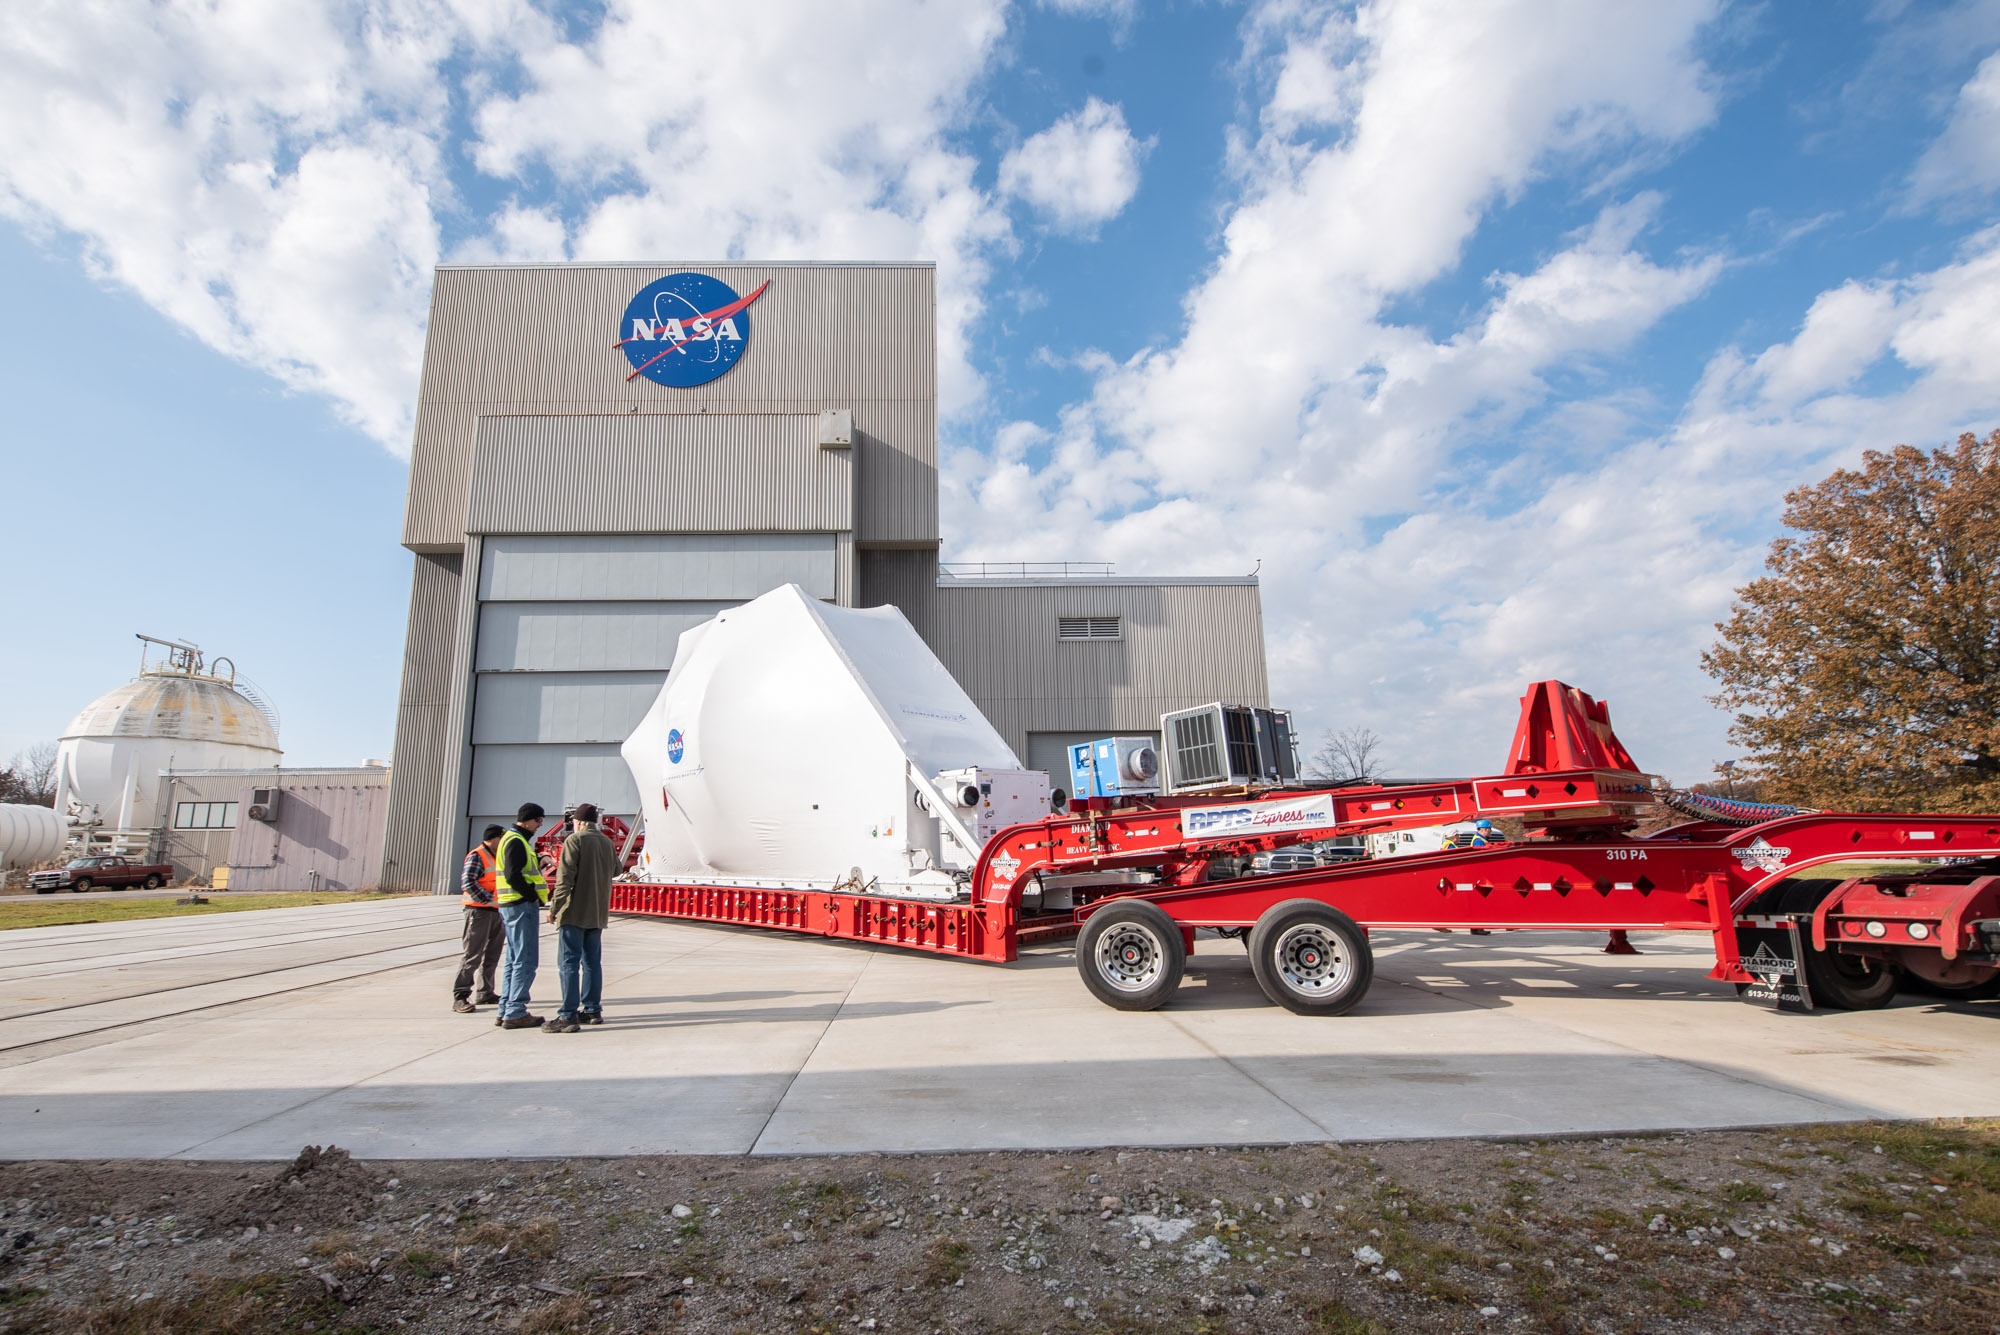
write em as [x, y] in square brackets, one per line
[590, 1017]
[488, 999]
[522, 1022]
[561, 1024]
[463, 1006]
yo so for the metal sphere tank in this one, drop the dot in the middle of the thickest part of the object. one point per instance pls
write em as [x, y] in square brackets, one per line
[177, 715]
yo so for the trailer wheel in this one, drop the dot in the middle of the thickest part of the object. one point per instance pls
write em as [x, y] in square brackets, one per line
[1131, 955]
[1311, 959]
[1849, 982]
[1844, 982]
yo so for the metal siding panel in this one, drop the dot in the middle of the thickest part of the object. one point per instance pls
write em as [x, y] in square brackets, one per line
[584, 637]
[422, 744]
[503, 777]
[535, 339]
[567, 707]
[1183, 645]
[656, 567]
[658, 473]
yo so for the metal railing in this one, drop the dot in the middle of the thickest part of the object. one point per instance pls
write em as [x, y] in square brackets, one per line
[1025, 569]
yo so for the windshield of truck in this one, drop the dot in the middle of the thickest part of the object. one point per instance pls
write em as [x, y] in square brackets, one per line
[82, 862]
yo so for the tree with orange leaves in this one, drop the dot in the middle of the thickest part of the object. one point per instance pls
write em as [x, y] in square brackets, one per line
[1865, 666]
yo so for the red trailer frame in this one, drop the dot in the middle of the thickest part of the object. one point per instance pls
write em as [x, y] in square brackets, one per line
[1578, 793]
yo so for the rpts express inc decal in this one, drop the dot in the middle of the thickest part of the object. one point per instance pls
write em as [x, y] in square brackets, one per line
[1300, 813]
[685, 329]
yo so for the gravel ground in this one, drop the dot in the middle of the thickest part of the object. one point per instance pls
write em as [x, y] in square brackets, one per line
[1800, 1229]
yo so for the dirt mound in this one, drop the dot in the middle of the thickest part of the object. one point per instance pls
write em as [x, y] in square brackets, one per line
[320, 1188]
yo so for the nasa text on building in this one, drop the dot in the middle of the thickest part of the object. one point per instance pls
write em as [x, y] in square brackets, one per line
[608, 454]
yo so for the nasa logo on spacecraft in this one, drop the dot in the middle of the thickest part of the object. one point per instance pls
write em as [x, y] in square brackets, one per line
[685, 329]
[676, 746]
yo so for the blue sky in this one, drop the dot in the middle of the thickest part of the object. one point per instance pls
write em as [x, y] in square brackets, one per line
[1494, 333]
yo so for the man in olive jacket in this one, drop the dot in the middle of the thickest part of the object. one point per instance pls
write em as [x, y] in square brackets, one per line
[579, 908]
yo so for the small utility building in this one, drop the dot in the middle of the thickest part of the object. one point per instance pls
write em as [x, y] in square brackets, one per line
[608, 454]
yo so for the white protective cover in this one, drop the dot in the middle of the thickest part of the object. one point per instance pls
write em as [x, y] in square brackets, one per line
[790, 746]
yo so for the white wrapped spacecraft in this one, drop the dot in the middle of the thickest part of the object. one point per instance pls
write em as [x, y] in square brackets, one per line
[804, 745]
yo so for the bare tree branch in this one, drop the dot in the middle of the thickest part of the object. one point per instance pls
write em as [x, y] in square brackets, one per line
[1348, 755]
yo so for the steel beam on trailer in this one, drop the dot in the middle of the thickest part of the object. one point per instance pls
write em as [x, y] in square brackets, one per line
[970, 931]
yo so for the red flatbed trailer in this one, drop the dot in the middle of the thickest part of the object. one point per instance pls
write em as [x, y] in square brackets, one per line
[1128, 878]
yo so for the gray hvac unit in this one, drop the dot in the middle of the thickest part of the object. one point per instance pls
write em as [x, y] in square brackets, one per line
[1227, 746]
[264, 804]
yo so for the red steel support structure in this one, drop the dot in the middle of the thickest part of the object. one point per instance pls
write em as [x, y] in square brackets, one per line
[1779, 933]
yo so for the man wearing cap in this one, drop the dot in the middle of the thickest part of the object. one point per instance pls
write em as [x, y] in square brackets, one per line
[579, 909]
[484, 934]
[520, 890]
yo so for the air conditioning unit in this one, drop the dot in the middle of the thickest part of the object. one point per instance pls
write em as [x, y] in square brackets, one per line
[264, 804]
[1228, 746]
[1114, 767]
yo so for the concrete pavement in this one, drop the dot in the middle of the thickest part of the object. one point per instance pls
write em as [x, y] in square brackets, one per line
[247, 1035]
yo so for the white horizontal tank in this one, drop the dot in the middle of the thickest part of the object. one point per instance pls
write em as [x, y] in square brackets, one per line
[29, 834]
[176, 714]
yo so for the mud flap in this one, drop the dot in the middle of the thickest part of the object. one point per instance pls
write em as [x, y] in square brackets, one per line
[1775, 957]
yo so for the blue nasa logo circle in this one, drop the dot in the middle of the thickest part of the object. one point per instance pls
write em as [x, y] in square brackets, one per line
[676, 745]
[685, 329]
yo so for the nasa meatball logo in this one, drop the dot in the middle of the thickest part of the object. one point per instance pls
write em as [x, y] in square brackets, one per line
[685, 329]
[676, 745]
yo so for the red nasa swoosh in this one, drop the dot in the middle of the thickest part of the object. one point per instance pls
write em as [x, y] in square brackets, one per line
[719, 313]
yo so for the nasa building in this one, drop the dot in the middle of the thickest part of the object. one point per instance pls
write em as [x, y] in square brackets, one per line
[608, 454]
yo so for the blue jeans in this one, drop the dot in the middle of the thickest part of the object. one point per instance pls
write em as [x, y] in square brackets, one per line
[580, 961]
[522, 920]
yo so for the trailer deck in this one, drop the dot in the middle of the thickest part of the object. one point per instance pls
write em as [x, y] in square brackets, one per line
[1131, 878]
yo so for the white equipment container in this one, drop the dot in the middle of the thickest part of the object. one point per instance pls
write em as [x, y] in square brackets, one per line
[795, 744]
[29, 834]
[991, 800]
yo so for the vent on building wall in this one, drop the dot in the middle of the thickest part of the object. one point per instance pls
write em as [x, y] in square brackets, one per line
[1087, 628]
[263, 804]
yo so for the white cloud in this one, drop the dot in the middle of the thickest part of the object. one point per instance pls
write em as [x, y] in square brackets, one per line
[255, 172]
[276, 178]
[1965, 160]
[1081, 171]
[1407, 581]
[1118, 12]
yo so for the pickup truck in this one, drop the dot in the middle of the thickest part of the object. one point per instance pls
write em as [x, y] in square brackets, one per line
[101, 873]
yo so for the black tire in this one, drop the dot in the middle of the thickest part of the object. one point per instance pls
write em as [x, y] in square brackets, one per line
[1131, 955]
[1848, 982]
[80, 884]
[152, 883]
[1310, 958]
[1842, 982]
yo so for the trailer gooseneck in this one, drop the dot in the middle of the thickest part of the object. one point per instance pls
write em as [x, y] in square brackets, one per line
[1129, 878]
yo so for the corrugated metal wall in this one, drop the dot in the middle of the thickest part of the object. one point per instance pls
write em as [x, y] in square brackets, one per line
[328, 836]
[658, 473]
[1182, 644]
[528, 339]
[655, 566]
[423, 748]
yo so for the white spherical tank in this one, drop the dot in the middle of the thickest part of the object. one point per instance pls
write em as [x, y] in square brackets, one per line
[112, 754]
[29, 835]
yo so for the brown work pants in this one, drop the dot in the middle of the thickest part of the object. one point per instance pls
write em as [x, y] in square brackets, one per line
[484, 936]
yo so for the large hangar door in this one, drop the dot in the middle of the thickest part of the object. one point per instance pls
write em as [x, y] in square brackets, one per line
[575, 637]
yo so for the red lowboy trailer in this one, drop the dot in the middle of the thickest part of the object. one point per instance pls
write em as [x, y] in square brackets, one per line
[1130, 879]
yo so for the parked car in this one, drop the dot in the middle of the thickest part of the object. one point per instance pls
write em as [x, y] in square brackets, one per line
[102, 872]
[1285, 859]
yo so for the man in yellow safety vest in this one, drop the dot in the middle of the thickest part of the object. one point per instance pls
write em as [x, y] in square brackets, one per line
[521, 890]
